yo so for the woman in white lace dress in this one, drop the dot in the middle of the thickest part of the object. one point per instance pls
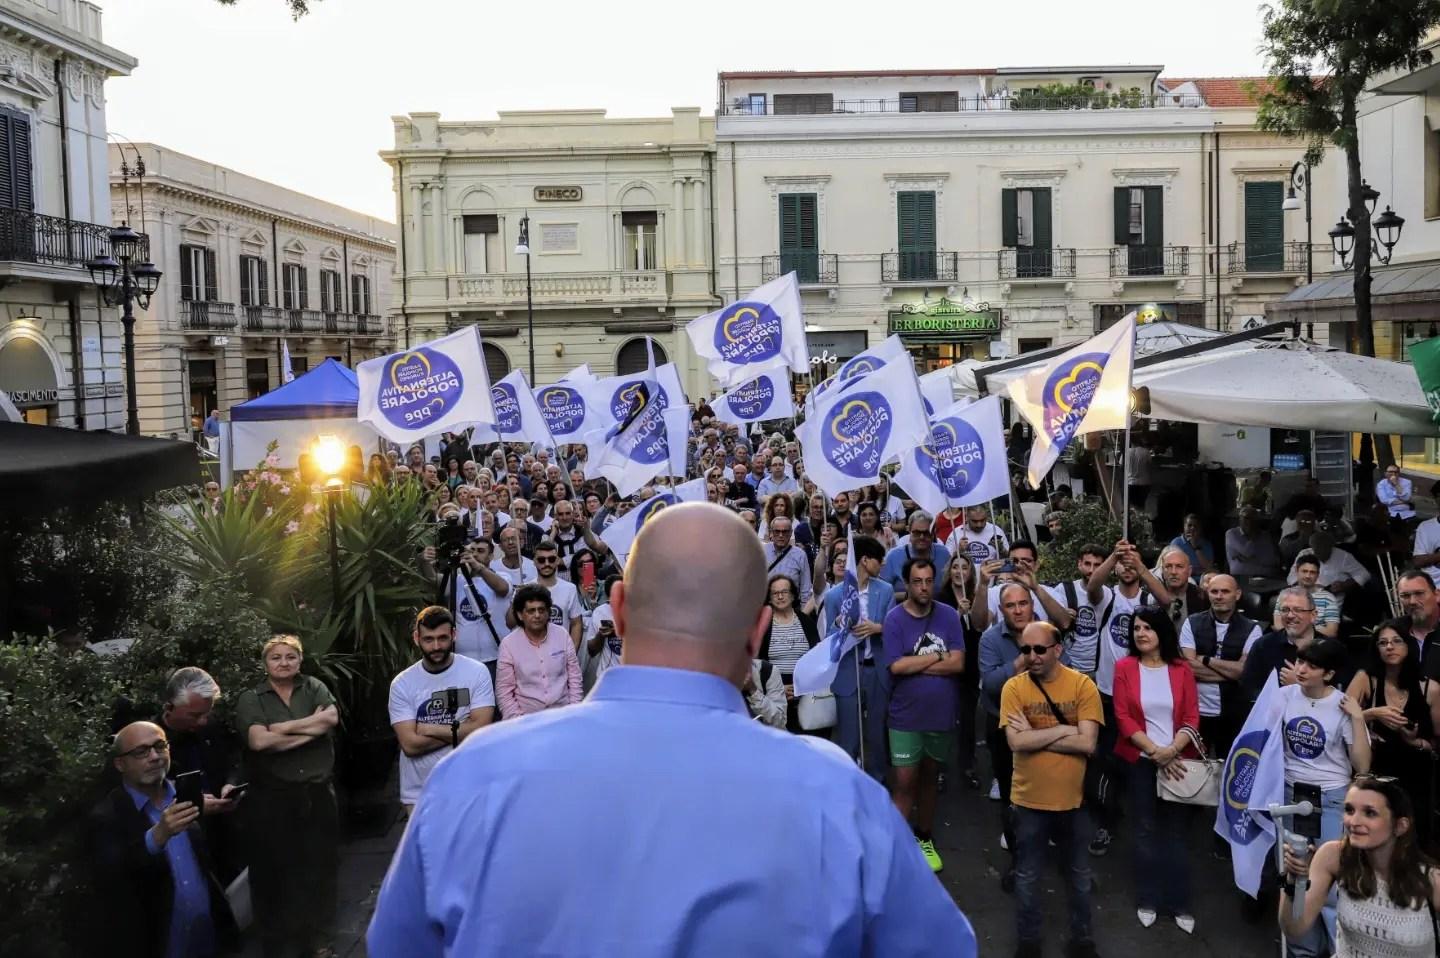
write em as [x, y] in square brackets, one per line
[1388, 890]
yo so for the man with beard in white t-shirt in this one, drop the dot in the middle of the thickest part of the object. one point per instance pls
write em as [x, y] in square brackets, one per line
[436, 703]
[566, 610]
[978, 538]
[1082, 641]
[480, 605]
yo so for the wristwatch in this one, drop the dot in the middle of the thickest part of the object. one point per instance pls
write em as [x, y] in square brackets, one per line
[1205, 661]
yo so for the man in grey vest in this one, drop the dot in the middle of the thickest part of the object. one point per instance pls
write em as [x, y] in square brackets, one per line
[1215, 643]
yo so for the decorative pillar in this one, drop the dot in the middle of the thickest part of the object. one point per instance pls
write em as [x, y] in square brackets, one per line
[415, 248]
[678, 233]
[437, 225]
[697, 248]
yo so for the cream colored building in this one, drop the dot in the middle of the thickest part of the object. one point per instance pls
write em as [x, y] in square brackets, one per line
[60, 350]
[977, 212]
[622, 233]
[247, 266]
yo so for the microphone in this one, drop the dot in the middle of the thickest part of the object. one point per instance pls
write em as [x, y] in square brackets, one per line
[1299, 808]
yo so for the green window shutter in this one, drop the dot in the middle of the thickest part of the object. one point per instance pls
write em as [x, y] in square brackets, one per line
[1009, 219]
[245, 281]
[1041, 230]
[1154, 216]
[212, 292]
[1264, 226]
[799, 236]
[187, 278]
[1122, 216]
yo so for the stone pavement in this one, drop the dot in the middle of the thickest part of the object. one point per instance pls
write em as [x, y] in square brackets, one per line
[968, 839]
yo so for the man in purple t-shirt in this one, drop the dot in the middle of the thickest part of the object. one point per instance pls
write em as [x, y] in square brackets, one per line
[925, 651]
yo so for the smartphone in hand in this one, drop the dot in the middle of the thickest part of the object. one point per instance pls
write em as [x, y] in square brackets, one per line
[189, 788]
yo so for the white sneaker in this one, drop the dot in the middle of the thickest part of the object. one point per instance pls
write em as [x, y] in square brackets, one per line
[1147, 917]
[1186, 923]
[994, 790]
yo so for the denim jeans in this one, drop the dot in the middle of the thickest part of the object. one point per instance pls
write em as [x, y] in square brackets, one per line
[1319, 940]
[847, 722]
[1033, 832]
[1162, 863]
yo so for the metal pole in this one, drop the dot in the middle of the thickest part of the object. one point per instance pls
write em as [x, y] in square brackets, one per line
[127, 320]
[860, 702]
[334, 553]
[1125, 479]
[530, 315]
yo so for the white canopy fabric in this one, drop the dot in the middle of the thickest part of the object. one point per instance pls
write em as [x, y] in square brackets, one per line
[1292, 385]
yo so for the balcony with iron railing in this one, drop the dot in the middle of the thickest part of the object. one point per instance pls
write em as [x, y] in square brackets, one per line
[270, 320]
[810, 269]
[923, 266]
[1142, 261]
[204, 316]
[1030, 263]
[999, 103]
[609, 287]
[1280, 259]
[27, 237]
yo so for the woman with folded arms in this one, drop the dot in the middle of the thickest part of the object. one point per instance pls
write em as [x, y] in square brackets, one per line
[1157, 709]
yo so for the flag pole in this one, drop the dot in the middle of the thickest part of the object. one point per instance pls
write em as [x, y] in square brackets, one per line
[1125, 478]
[860, 704]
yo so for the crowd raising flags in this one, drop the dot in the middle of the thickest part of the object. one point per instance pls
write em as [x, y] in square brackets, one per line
[765, 330]
[439, 387]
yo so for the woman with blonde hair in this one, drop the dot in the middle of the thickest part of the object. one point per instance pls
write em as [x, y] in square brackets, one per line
[287, 723]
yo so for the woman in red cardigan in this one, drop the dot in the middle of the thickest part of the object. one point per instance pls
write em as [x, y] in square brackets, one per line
[1156, 711]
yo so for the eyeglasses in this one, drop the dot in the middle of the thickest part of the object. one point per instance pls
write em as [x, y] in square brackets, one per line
[1035, 649]
[1388, 643]
[780, 594]
[1292, 610]
[550, 561]
[779, 532]
[161, 747]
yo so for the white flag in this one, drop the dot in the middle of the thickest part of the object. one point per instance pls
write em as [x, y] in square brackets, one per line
[567, 410]
[580, 374]
[1252, 781]
[518, 417]
[767, 396]
[609, 397]
[858, 428]
[938, 389]
[287, 373]
[964, 461]
[440, 386]
[696, 490]
[859, 366]
[620, 534]
[649, 437]
[1085, 390]
[761, 331]
[817, 667]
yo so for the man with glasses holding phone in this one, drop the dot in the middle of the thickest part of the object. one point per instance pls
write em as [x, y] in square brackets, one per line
[783, 557]
[1051, 715]
[159, 895]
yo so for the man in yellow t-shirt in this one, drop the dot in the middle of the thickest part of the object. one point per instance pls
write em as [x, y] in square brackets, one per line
[1049, 781]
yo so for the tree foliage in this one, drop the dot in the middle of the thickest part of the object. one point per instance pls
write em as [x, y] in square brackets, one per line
[298, 8]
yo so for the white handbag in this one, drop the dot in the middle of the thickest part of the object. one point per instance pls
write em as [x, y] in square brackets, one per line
[816, 711]
[1200, 785]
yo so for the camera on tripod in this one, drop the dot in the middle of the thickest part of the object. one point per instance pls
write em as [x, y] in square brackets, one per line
[450, 542]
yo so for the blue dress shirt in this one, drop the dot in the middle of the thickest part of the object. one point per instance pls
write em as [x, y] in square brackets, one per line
[656, 818]
[191, 931]
[893, 571]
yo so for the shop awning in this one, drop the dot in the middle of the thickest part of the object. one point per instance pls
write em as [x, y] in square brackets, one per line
[1393, 286]
[42, 467]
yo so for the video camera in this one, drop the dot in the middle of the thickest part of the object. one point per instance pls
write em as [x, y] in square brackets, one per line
[450, 542]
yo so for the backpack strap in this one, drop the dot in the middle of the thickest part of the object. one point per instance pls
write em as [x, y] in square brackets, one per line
[1055, 709]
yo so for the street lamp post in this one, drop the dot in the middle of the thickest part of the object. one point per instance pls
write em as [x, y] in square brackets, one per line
[121, 284]
[522, 248]
[329, 457]
[1300, 180]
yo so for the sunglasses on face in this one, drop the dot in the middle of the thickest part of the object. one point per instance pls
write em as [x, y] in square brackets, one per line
[1035, 649]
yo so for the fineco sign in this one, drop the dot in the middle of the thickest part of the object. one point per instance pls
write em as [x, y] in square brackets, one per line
[558, 194]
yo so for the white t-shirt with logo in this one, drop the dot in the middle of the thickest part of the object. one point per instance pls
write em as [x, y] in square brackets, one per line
[516, 577]
[1083, 650]
[609, 654]
[413, 698]
[1114, 638]
[472, 637]
[1316, 737]
[981, 546]
[1209, 692]
[565, 604]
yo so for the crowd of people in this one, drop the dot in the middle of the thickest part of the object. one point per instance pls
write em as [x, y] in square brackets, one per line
[1087, 694]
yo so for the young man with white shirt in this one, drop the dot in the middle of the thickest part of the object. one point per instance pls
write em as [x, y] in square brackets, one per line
[1082, 641]
[511, 565]
[566, 611]
[480, 605]
[436, 703]
[979, 538]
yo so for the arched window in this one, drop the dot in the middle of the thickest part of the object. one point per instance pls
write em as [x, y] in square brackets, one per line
[632, 359]
[497, 364]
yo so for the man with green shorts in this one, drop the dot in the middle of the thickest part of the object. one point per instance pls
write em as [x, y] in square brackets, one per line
[925, 652]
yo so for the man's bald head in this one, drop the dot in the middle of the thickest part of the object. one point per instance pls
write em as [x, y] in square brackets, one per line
[141, 765]
[698, 609]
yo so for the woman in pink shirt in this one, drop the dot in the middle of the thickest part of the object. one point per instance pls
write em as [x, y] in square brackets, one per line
[1157, 708]
[537, 668]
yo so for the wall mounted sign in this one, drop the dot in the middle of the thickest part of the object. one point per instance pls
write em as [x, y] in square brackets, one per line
[558, 194]
[33, 397]
[945, 320]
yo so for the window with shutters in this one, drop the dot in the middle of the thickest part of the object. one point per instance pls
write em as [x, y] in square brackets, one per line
[1140, 228]
[632, 357]
[254, 281]
[795, 104]
[197, 274]
[482, 236]
[257, 376]
[639, 231]
[1025, 225]
[17, 189]
[916, 213]
[497, 364]
[295, 287]
[331, 297]
[800, 236]
[360, 294]
[946, 102]
[1264, 227]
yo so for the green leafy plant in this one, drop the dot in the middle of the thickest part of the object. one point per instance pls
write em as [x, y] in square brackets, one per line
[1089, 522]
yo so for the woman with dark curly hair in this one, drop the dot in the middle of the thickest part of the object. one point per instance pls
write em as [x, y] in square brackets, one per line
[1388, 890]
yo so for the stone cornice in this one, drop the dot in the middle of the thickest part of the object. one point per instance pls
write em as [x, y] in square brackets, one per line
[196, 195]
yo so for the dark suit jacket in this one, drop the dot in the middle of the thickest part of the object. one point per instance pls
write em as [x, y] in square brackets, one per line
[134, 891]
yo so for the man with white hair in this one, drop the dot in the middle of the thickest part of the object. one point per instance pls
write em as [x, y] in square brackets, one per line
[663, 743]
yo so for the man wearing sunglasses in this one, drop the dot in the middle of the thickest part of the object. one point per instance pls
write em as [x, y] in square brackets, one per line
[160, 895]
[1052, 717]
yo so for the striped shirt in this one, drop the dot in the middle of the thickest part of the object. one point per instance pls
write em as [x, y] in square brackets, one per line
[787, 644]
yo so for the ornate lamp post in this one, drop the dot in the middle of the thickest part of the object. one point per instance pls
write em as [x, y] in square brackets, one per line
[122, 284]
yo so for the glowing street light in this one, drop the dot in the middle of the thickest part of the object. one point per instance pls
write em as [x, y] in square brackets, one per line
[328, 454]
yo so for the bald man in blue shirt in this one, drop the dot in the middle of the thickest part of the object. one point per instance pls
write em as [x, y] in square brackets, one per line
[656, 818]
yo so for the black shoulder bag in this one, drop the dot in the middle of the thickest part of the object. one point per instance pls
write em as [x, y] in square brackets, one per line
[1100, 787]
